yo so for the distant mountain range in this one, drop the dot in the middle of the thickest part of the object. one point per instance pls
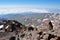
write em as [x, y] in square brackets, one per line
[54, 10]
[2, 19]
[12, 16]
[20, 16]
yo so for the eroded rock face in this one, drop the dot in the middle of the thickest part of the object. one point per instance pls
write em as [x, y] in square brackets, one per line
[32, 33]
[10, 28]
[18, 31]
[46, 25]
[11, 25]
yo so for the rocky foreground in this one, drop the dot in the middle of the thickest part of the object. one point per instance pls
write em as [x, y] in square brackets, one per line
[13, 30]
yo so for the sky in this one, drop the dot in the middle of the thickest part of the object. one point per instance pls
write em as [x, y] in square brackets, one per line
[31, 3]
[6, 5]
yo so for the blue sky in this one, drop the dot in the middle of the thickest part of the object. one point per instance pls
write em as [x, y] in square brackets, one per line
[36, 6]
[55, 4]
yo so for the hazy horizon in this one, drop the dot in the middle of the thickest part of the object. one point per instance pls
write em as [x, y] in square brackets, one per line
[38, 6]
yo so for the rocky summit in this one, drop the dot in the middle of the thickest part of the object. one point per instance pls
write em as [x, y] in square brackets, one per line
[14, 30]
[40, 27]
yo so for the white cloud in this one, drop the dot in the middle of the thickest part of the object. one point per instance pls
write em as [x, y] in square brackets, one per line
[21, 10]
